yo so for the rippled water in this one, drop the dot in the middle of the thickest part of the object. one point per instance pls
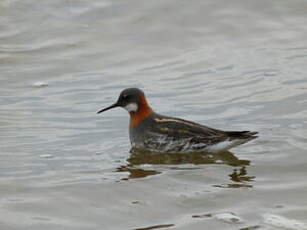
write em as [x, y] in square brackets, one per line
[232, 65]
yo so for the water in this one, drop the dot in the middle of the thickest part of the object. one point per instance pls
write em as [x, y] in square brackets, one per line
[238, 65]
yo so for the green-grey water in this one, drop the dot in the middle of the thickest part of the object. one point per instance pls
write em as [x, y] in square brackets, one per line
[231, 65]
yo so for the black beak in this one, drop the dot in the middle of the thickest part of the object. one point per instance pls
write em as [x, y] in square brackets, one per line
[110, 107]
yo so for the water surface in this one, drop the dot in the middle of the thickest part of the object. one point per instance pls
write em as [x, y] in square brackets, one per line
[238, 65]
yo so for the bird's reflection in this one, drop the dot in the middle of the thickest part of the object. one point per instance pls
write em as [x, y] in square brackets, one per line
[139, 157]
[135, 172]
[239, 179]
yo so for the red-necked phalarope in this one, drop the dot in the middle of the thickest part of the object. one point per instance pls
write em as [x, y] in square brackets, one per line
[154, 132]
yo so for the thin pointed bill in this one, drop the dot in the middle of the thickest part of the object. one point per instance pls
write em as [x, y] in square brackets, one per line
[110, 107]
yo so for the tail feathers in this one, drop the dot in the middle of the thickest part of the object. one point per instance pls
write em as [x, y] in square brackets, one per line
[242, 134]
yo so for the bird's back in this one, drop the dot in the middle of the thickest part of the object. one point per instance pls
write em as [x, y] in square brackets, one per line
[168, 134]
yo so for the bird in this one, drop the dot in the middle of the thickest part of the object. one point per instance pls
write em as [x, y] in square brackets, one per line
[153, 132]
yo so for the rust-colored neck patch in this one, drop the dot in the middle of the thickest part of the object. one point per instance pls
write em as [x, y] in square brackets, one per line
[143, 112]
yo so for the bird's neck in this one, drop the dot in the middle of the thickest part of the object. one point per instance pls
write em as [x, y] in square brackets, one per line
[141, 113]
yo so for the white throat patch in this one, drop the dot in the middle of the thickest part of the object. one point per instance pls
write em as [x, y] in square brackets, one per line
[132, 107]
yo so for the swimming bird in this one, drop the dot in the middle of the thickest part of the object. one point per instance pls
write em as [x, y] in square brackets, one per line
[151, 131]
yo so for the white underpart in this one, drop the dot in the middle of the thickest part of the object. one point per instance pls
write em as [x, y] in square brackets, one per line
[163, 143]
[224, 145]
[132, 107]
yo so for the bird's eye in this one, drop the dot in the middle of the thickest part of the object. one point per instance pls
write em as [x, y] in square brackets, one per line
[127, 97]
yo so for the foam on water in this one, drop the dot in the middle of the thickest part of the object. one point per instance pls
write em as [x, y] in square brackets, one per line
[283, 222]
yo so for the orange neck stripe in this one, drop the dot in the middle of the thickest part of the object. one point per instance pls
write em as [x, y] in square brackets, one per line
[143, 112]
